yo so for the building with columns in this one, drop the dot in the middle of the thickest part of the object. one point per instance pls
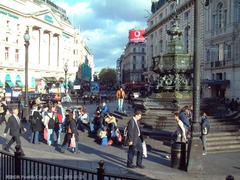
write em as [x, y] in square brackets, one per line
[54, 42]
[222, 49]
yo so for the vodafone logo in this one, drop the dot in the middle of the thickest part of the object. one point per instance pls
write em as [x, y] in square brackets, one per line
[137, 34]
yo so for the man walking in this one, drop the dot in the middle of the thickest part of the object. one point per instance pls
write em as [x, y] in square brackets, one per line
[135, 141]
[205, 126]
[120, 97]
[16, 128]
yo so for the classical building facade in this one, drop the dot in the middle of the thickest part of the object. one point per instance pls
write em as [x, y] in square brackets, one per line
[222, 49]
[54, 42]
[160, 21]
[133, 63]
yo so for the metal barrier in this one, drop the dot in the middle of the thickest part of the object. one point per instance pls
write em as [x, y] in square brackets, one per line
[18, 167]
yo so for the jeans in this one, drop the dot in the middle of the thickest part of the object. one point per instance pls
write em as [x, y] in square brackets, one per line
[120, 104]
[35, 137]
[204, 142]
[59, 133]
[50, 137]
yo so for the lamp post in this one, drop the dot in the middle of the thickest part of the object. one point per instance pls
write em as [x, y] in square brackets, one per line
[65, 70]
[26, 40]
[195, 146]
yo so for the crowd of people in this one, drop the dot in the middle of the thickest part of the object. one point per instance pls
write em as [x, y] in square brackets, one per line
[55, 125]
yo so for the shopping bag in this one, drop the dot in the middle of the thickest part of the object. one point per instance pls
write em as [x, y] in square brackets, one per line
[144, 146]
[45, 134]
[73, 142]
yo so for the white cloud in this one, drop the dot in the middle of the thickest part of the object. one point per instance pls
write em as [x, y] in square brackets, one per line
[105, 23]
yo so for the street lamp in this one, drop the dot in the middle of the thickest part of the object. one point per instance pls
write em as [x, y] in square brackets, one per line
[26, 40]
[195, 146]
[65, 70]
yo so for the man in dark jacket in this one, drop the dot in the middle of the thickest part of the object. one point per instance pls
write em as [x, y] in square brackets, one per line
[36, 124]
[16, 128]
[135, 141]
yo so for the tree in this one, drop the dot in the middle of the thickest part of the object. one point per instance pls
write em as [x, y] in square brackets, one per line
[108, 76]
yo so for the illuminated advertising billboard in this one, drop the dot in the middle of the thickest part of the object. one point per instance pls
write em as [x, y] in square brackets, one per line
[136, 35]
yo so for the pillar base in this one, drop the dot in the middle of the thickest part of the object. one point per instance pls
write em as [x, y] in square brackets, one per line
[195, 156]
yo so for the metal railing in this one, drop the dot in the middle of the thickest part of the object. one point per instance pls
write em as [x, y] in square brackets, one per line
[18, 167]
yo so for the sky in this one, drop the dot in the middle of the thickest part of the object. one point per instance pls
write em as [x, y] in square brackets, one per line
[105, 25]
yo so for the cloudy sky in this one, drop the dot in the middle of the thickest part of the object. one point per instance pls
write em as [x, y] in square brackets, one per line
[105, 24]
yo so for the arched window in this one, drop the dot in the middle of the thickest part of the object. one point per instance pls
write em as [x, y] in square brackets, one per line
[221, 16]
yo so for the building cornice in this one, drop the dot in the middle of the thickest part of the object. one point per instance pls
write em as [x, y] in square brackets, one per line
[182, 8]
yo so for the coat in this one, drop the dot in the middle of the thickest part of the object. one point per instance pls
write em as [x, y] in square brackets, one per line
[120, 94]
[133, 132]
[15, 128]
[36, 121]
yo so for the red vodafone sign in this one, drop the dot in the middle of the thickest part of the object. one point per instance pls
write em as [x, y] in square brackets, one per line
[136, 35]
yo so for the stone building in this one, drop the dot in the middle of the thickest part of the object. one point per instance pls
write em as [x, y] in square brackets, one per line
[53, 42]
[222, 45]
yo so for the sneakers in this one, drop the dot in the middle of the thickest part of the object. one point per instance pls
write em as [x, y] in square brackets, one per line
[204, 153]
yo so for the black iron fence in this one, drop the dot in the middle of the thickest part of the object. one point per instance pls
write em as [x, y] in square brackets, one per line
[18, 167]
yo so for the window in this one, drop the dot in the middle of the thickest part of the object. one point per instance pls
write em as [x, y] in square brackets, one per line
[186, 15]
[161, 46]
[171, 7]
[152, 50]
[6, 39]
[220, 52]
[17, 55]
[160, 32]
[143, 50]
[208, 55]
[143, 62]
[238, 11]
[186, 38]
[134, 62]
[134, 49]
[221, 16]
[229, 51]
[213, 77]
[6, 53]
[160, 16]
[219, 76]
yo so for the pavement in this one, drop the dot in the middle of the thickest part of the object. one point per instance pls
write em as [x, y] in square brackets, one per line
[157, 165]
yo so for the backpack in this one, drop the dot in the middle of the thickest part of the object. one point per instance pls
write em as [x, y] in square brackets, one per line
[51, 122]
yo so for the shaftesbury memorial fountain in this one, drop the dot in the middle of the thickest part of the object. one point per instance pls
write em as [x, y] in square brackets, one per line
[173, 88]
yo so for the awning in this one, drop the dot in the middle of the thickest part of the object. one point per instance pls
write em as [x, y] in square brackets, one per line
[33, 82]
[50, 79]
[9, 83]
[216, 82]
[19, 84]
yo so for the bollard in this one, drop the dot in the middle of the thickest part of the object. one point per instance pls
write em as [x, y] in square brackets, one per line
[100, 170]
[178, 155]
[17, 155]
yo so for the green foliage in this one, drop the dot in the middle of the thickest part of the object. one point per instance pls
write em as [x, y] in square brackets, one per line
[108, 76]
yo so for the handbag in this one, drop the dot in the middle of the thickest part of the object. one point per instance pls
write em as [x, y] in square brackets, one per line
[73, 142]
[144, 146]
